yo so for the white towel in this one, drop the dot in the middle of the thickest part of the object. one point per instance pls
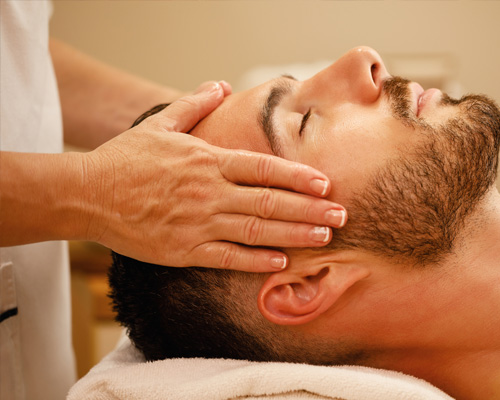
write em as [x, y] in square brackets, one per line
[124, 374]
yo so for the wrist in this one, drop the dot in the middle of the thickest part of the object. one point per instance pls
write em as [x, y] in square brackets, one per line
[43, 197]
[73, 198]
[96, 196]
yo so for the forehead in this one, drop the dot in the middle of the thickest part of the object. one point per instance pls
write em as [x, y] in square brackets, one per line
[235, 123]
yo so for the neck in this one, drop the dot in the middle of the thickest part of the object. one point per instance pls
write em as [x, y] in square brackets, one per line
[444, 320]
[460, 350]
[463, 374]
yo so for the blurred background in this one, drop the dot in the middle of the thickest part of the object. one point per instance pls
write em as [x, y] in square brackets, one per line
[452, 45]
[182, 43]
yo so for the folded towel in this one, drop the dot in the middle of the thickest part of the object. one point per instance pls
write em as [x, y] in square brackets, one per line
[124, 374]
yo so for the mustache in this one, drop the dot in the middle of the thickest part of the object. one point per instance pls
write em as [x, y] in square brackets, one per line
[474, 108]
[397, 90]
[478, 115]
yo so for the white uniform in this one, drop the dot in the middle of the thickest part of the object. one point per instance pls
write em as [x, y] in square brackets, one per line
[36, 356]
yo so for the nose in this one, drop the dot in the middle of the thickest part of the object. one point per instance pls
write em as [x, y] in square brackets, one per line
[359, 74]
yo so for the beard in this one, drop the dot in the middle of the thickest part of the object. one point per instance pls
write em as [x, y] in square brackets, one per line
[412, 209]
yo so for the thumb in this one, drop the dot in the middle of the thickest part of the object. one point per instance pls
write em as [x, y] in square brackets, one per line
[183, 114]
[206, 86]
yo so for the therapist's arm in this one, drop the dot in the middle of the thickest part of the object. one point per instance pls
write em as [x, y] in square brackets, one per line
[99, 101]
[161, 196]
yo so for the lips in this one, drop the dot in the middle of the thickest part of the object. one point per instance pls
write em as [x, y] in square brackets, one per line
[424, 99]
[421, 97]
[417, 91]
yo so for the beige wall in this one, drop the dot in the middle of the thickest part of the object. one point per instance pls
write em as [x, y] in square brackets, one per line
[182, 43]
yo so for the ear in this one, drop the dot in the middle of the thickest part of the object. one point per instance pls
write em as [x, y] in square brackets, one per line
[289, 298]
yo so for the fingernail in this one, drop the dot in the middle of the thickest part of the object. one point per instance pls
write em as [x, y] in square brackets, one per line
[215, 87]
[320, 234]
[319, 186]
[336, 218]
[226, 87]
[278, 262]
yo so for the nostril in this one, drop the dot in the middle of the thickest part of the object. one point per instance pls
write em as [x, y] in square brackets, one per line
[374, 69]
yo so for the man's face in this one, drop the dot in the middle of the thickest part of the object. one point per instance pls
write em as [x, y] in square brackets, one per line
[415, 156]
[339, 121]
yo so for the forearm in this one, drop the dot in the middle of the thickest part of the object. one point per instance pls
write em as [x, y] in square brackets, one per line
[42, 197]
[99, 101]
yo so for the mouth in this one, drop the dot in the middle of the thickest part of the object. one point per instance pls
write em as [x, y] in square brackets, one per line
[421, 97]
[416, 92]
[425, 99]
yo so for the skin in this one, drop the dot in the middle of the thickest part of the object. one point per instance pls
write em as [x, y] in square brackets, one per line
[350, 120]
[100, 195]
[442, 319]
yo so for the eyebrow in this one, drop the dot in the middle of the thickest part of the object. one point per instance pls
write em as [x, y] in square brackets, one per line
[281, 88]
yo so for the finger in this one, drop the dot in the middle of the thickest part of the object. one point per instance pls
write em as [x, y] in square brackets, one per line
[255, 231]
[183, 114]
[245, 167]
[283, 205]
[226, 87]
[204, 86]
[226, 255]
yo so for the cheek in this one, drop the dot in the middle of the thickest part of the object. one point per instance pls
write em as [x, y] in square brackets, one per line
[350, 153]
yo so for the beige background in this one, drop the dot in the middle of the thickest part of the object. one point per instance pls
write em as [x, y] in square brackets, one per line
[452, 44]
[182, 43]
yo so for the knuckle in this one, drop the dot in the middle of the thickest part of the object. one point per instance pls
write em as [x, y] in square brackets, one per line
[266, 204]
[311, 213]
[297, 234]
[157, 123]
[252, 231]
[264, 170]
[227, 257]
[188, 102]
[295, 176]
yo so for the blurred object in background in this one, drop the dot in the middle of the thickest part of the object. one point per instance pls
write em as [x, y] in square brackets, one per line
[183, 43]
[450, 45]
[95, 332]
[430, 70]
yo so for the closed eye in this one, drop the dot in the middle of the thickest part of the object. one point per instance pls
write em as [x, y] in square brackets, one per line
[304, 121]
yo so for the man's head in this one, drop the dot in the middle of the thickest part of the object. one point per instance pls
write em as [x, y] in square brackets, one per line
[410, 166]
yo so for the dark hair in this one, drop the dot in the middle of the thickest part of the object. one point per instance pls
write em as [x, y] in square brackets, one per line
[198, 312]
[181, 312]
[411, 212]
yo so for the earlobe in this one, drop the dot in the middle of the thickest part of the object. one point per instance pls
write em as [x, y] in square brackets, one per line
[290, 299]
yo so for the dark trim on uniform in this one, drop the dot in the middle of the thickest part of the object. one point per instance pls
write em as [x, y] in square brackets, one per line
[7, 314]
